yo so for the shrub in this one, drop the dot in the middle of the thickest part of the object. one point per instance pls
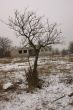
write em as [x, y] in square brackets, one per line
[33, 80]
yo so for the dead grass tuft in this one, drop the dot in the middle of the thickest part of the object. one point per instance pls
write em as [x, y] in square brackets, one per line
[32, 80]
[1, 86]
[71, 103]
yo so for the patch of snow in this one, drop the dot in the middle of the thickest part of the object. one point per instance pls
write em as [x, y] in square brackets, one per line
[7, 85]
[47, 98]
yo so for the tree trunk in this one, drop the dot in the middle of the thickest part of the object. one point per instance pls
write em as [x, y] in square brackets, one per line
[35, 62]
[32, 75]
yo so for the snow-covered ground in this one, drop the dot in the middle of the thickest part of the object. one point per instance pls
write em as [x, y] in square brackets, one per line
[56, 92]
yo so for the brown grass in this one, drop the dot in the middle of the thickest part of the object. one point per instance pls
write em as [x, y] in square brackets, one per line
[21, 60]
[45, 69]
[1, 83]
[5, 60]
[71, 103]
[71, 59]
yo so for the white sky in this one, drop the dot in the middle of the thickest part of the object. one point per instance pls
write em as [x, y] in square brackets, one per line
[60, 11]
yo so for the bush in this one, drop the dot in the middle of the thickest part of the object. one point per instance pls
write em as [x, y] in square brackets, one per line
[71, 59]
[33, 80]
[5, 45]
[71, 47]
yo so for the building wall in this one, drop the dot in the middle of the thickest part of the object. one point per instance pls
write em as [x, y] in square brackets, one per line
[24, 52]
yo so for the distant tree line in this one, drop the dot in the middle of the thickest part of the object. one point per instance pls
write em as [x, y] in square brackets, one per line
[64, 52]
[5, 44]
[71, 47]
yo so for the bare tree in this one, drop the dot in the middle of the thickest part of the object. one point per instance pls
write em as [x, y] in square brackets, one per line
[36, 32]
[71, 47]
[5, 44]
[64, 52]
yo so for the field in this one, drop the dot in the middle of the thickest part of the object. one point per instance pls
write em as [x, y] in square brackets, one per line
[56, 92]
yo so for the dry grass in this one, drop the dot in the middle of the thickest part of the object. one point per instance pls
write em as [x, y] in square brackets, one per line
[71, 59]
[45, 69]
[21, 60]
[14, 60]
[64, 70]
[5, 60]
[1, 83]
[71, 103]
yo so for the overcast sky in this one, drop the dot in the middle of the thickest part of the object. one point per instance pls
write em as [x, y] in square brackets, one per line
[60, 11]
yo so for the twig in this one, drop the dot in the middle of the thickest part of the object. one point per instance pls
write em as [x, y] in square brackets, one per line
[58, 98]
[3, 22]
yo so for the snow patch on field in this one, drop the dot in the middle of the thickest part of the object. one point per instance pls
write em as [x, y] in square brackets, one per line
[54, 94]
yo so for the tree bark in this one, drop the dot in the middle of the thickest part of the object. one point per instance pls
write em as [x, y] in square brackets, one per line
[32, 75]
[35, 62]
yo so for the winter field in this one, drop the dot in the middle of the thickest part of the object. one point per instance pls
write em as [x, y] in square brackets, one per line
[57, 88]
